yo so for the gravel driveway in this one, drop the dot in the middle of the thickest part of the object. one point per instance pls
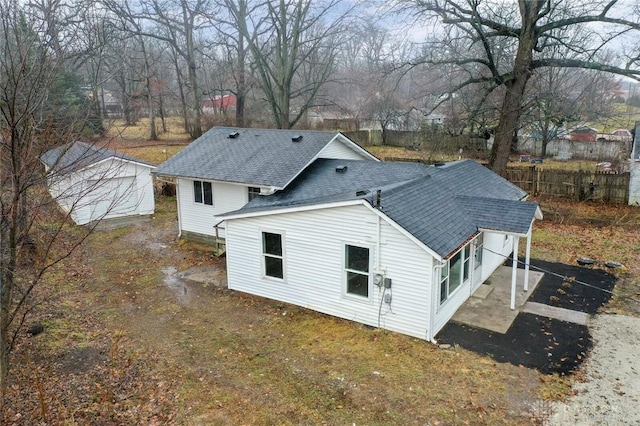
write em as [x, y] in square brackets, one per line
[610, 393]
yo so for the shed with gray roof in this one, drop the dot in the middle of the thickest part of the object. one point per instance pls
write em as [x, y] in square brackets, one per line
[91, 182]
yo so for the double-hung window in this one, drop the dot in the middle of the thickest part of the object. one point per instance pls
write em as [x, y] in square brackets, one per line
[202, 192]
[454, 273]
[273, 255]
[356, 266]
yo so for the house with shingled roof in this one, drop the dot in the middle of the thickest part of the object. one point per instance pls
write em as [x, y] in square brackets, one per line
[314, 220]
[399, 246]
[227, 167]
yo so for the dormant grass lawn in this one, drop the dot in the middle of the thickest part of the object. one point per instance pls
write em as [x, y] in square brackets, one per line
[125, 346]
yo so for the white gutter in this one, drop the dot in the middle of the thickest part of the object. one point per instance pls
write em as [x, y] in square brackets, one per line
[179, 210]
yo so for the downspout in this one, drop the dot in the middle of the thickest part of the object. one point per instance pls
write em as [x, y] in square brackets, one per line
[179, 209]
[432, 313]
[378, 243]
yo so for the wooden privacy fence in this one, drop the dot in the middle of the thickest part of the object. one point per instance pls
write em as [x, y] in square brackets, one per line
[609, 187]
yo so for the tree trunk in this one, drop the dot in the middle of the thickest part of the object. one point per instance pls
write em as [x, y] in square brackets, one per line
[7, 282]
[161, 111]
[511, 106]
[196, 116]
[183, 98]
[241, 82]
[196, 109]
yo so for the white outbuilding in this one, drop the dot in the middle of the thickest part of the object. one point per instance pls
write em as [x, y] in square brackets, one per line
[91, 182]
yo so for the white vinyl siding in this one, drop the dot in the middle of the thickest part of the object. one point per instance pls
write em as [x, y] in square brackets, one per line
[336, 149]
[200, 218]
[105, 190]
[496, 250]
[634, 179]
[315, 243]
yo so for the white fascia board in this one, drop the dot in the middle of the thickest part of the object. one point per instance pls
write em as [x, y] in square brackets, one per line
[293, 209]
[354, 146]
[538, 215]
[109, 159]
[403, 231]
[498, 231]
[343, 139]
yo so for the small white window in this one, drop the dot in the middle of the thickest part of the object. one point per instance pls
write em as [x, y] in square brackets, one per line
[356, 267]
[272, 255]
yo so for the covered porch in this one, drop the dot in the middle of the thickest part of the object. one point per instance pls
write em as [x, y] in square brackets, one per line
[489, 307]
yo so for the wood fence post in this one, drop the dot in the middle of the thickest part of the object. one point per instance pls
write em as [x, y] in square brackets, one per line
[532, 179]
[578, 192]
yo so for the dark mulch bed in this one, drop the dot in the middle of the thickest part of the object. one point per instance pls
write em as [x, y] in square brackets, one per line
[548, 345]
[555, 291]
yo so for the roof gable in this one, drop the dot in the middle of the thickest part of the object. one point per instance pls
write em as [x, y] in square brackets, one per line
[75, 156]
[259, 157]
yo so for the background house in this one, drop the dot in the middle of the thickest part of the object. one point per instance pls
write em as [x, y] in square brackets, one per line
[393, 245]
[583, 134]
[220, 105]
[227, 167]
[91, 182]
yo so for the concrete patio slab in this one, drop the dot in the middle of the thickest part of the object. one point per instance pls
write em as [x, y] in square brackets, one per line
[561, 314]
[492, 311]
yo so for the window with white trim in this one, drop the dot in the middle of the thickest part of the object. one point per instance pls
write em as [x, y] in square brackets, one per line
[454, 273]
[202, 192]
[356, 267]
[272, 255]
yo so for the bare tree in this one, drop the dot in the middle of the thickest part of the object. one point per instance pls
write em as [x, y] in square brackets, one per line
[233, 26]
[42, 106]
[286, 37]
[507, 42]
[558, 96]
[176, 23]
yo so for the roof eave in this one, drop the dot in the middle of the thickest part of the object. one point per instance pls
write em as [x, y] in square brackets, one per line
[289, 209]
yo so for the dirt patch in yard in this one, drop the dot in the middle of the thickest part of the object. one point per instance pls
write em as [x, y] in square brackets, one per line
[224, 357]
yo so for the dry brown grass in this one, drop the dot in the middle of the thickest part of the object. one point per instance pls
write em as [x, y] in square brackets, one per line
[140, 132]
[228, 358]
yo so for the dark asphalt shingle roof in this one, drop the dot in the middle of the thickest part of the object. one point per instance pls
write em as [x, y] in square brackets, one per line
[260, 157]
[78, 155]
[441, 206]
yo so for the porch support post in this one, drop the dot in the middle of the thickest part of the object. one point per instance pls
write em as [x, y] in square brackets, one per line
[527, 258]
[514, 271]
